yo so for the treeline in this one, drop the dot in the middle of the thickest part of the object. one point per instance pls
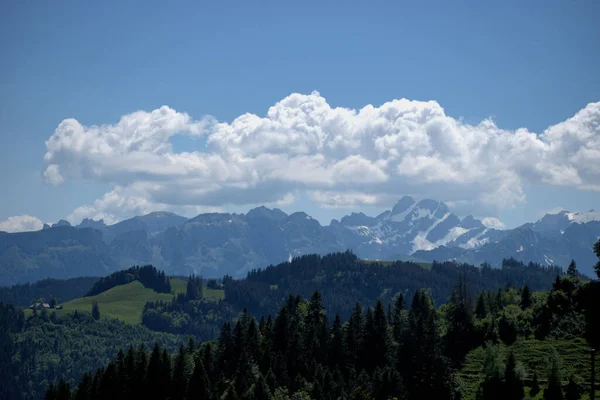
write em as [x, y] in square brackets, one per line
[61, 290]
[378, 353]
[189, 313]
[200, 318]
[343, 279]
[295, 354]
[43, 348]
[148, 276]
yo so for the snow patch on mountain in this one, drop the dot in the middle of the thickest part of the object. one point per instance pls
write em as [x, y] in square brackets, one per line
[584, 218]
[476, 241]
[421, 243]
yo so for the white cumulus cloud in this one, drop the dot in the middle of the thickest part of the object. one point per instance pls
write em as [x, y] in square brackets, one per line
[337, 156]
[493, 222]
[21, 223]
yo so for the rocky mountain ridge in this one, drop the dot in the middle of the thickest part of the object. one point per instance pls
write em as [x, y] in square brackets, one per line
[216, 244]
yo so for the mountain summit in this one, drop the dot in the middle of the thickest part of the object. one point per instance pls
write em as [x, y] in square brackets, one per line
[216, 244]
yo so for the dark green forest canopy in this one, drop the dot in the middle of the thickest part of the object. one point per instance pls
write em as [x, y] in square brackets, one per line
[147, 275]
[343, 279]
[484, 306]
[404, 353]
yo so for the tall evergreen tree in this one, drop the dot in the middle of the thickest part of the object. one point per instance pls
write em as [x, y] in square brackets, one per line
[166, 374]
[153, 379]
[554, 391]
[492, 387]
[597, 252]
[84, 388]
[399, 316]
[180, 379]
[573, 390]
[64, 391]
[512, 381]
[572, 270]
[481, 308]
[422, 366]
[525, 297]
[199, 385]
[95, 311]
[535, 385]
[460, 335]
[336, 344]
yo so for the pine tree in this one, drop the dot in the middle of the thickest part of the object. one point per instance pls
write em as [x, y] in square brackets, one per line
[482, 309]
[271, 380]
[336, 344]
[252, 340]
[165, 375]
[459, 338]
[354, 337]
[572, 270]
[84, 388]
[493, 387]
[95, 311]
[512, 381]
[314, 341]
[226, 350]
[95, 389]
[554, 391]
[230, 394]
[152, 383]
[51, 392]
[199, 385]
[377, 341]
[399, 316]
[573, 391]
[535, 385]
[180, 381]
[141, 365]
[261, 389]
[64, 391]
[597, 252]
[525, 298]
[420, 362]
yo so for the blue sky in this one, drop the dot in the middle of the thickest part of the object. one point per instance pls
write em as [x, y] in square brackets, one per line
[521, 64]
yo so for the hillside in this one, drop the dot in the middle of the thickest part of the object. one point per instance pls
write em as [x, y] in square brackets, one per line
[126, 302]
[532, 354]
[343, 279]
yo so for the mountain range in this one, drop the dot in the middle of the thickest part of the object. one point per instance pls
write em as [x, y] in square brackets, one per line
[216, 244]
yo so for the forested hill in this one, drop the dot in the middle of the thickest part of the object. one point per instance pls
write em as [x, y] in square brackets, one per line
[415, 353]
[148, 276]
[62, 290]
[343, 279]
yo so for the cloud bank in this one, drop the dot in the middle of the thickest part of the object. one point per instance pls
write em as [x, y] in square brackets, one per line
[338, 157]
[21, 223]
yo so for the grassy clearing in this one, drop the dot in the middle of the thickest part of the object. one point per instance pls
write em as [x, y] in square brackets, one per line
[126, 302]
[532, 355]
[214, 294]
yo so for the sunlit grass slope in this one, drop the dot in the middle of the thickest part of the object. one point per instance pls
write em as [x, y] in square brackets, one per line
[126, 302]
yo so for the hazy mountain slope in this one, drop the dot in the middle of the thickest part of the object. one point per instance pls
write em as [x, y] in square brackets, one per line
[216, 244]
[59, 252]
